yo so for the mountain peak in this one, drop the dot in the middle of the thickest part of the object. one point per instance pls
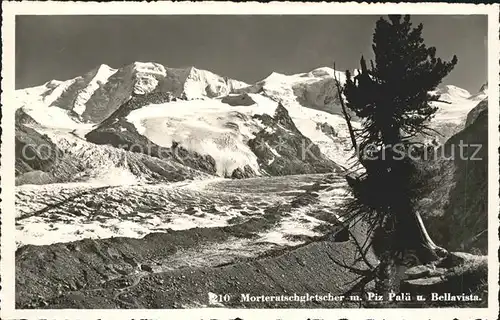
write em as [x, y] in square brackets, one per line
[148, 67]
[52, 83]
[103, 67]
[322, 72]
[451, 92]
[484, 88]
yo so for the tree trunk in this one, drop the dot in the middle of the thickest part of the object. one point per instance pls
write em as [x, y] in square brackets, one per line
[384, 278]
[412, 235]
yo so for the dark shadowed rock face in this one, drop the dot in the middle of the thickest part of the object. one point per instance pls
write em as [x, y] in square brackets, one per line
[120, 133]
[242, 99]
[40, 160]
[327, 129]
[22, 118]
[484, 87]
[35, 153]
[246, 172]
[474, 113]
[282, 149]
[30, 155]
[460, 191]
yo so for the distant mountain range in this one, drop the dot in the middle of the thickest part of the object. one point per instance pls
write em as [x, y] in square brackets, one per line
[213, 121]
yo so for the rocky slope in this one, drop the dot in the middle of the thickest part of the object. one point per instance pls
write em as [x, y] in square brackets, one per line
[461, 187]
[282, 149]
[182, 230]
[48, 155]
[103, 276]
[30, 156]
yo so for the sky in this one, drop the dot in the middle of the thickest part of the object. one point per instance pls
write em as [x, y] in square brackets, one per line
[242, 47]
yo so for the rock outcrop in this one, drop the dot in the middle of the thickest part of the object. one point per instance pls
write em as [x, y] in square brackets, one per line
[282, 149]
[457, 274]
[241, 99]
[246, 172]
[327, 129]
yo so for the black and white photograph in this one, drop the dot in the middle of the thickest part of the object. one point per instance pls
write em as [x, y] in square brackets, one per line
[250, 161]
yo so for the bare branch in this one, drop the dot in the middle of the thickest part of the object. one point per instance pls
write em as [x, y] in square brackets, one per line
[347, 117]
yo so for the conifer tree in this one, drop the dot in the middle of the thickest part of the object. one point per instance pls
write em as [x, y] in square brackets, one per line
[392, 100]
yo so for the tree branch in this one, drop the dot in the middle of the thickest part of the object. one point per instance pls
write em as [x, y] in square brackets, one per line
[344, 111]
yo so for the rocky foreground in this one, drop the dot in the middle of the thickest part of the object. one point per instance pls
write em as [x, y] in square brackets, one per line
[199, 227]
[120, 273]
[103, 274]
[460, 278]
[293, 244]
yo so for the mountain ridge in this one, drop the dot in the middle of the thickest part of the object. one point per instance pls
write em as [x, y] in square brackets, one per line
[93, 96]
[211, 119]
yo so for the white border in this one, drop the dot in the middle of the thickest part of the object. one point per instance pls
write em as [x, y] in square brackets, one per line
[158, 8]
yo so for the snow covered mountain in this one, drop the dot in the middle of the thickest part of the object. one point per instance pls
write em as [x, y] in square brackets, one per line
[93, 96]
[213, 121]
[454, 108]
[314, 89]
[224, 132]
